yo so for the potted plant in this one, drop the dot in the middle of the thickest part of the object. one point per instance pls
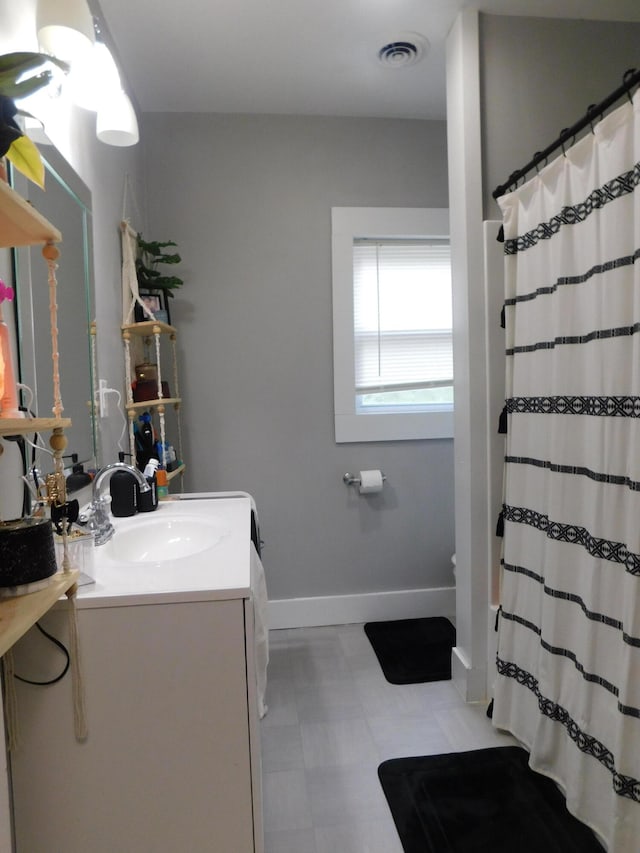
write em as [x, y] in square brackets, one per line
[152, 281]
[17, 147]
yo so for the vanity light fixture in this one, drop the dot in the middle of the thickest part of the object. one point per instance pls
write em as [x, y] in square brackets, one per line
[117, 123]
[94, 79]
[65, 28]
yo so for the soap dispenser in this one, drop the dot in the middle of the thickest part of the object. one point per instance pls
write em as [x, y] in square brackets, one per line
[78, 478]
[123, 489]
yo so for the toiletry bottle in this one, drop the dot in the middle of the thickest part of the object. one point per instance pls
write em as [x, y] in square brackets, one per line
[145, 440]
[162, 484]
[148, 501]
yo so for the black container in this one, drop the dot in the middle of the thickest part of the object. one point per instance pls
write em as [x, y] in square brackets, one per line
[123, 488]
[78, 479]
[147, 501]
[27, 552]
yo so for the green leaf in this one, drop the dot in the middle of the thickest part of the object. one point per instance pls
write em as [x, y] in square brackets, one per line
[154, 247]
[150, 255]
[25, 87]
[15, 65]
[26, 158]
[168, 282]
[23, 61]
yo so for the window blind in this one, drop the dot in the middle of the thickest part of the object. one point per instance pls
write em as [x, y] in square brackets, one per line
[402, 314]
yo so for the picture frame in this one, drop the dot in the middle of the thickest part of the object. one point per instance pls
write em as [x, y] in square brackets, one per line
[157, 303]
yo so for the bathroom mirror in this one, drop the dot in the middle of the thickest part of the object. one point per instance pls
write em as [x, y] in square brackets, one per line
[66, 203]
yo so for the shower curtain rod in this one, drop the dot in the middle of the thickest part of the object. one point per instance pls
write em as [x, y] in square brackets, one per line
[630, 79]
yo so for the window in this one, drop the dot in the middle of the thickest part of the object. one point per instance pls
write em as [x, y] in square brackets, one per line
[393, 362]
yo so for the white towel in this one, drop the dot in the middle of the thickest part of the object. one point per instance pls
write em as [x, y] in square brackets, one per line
[260, 627]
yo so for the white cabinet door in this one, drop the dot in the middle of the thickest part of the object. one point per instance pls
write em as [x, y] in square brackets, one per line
[167, 764]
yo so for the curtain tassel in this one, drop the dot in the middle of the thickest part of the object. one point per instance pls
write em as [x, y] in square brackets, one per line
[503, 317]
[502, 421]
[500, 525]
[500, 237]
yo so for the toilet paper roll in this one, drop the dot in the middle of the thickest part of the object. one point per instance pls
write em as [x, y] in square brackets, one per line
[370, 482]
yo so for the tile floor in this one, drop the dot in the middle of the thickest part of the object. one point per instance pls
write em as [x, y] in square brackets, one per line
[332, 719]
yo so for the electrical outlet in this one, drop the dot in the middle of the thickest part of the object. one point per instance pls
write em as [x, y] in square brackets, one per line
[103, 388]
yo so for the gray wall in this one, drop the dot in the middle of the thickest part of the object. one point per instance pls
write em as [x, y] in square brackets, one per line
[248, 200]
[538, 76]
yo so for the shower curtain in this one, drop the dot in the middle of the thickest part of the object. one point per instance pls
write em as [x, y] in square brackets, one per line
[568, 662]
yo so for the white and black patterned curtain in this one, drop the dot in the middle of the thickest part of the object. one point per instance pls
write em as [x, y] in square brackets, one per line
[568, 682]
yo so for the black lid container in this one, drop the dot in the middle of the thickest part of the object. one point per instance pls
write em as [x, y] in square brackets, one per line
[123, 489]
[147, 501]
[78, 479]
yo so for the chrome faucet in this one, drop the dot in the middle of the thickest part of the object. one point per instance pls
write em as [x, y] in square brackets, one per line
[97, 517]
[118, 466]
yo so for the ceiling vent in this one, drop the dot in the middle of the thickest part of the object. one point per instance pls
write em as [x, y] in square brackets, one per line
[407, 49]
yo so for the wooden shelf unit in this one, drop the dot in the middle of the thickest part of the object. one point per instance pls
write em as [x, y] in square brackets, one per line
[25, 426]
[20, 222]
[179, 470]
[153, 404]
[146, 331]
[22, 225]
[19, 613]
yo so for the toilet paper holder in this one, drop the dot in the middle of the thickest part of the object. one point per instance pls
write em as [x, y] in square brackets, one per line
[354, 480]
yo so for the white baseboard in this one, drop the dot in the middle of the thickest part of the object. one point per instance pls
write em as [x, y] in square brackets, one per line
[366, 607]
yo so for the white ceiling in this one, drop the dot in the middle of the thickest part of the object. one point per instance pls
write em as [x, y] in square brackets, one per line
[309, 57]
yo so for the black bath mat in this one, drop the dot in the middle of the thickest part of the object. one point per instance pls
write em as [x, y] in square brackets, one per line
[484, 801]
[412, 651]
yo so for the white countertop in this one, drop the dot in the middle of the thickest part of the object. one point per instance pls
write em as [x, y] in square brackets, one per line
[219, 571]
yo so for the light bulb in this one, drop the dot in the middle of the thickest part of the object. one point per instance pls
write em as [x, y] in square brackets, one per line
[94, 79]
[65, 28]
[116, 123]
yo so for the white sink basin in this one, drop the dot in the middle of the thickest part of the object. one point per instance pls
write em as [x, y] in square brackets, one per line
[163, 538]
[191, 545]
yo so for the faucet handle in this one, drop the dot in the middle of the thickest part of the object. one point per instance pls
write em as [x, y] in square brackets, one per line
[96, 519]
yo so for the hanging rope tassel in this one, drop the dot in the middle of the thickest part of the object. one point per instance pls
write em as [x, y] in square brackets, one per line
[503, 317]
[77, 683]
[500, 525]
[503, 421]
[500, 237]
[51, 254]
[11, 702]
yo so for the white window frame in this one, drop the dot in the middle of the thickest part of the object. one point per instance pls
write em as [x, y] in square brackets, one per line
[347, 224]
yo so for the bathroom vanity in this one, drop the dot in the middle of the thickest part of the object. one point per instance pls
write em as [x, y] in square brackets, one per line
[172, 759]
